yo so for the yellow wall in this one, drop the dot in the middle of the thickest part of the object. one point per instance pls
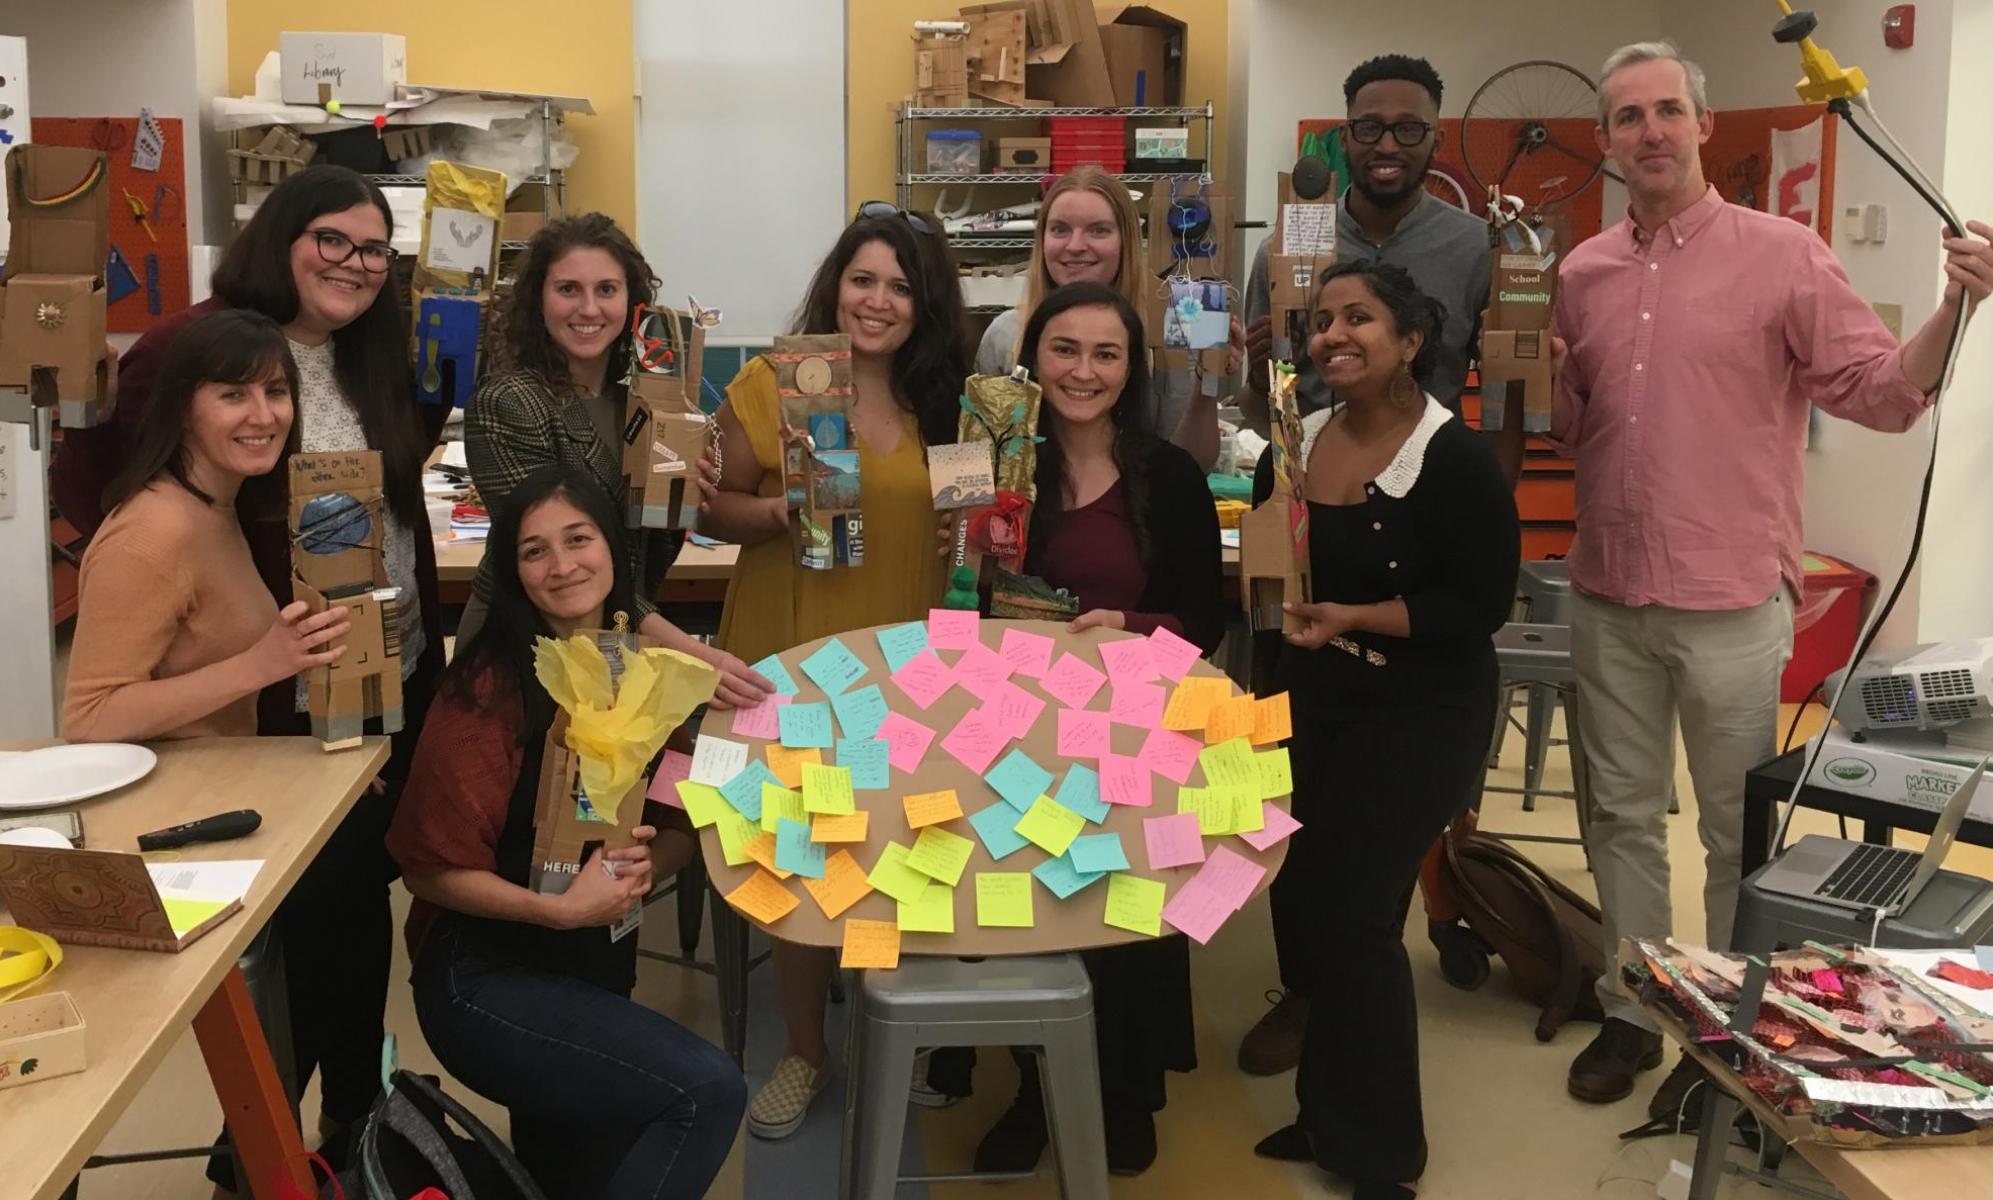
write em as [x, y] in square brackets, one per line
[881, 76]
[574, 48]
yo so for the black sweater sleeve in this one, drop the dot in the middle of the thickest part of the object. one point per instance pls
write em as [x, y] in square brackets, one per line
[1466, 502]
[1186, 572]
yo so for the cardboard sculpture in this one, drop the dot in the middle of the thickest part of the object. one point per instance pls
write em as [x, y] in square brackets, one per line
[1303, 246]
[461, 210]
[940, 64]
[567, 828]
[52, 299]
[1515, 329]
[819, 459]
[1273, 538]
[989, 479]
[1190, 225]
[338, 527]
[995, 53]
[448, 328]
[270, 155]
[666, 430]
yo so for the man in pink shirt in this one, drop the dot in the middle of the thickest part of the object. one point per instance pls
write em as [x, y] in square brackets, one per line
[1698, 334]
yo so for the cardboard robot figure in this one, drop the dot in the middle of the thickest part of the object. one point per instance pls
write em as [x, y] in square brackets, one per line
[1515, 328]
[1303, 246]
[819, 458]
[338, 527]
[1274, 567]
[52, 299]
[1185, 316]
[666, 431]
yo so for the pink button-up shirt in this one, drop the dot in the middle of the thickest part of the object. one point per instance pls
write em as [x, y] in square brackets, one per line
[1694, 354]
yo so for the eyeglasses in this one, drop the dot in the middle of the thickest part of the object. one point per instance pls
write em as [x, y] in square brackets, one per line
[882, 208]
[338, 249]
[1369, 131]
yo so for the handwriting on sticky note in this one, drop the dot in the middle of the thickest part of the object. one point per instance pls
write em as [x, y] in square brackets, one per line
[786, 763]
[1276, 823]
[1016, 709]
[874, 944]
[833, 667]
[1197, 910]
[716, 760]
[1080, 791]
[940, 855]
[932, 808]
[924, 678]
[861, 711]
[1229, 718]
[778, 802]
[1061, 877]
[1128, 660]
[902, 642]
[1248, 815]
[954, 629]
[1173, 841]
[975, 741]
[1190, 704]
[894, 877]
[1084, 734]
[796, 851]
[743, 791]
[1212, 808]
[805, 725]
[735, 833]
[773, 671]
[1233, 875]
[1003, 899]
[906, 741]
[1125, 780]
[1134, 904]
[867, 760]
[1272, 722]
[1071, 682]
[1172, 755]
[1172, 655]
[1019, 780]
[762, 721]
[1230, 765]
[827, 789]
[1050, 825]
[840, 827]
[982, 671]
[997, 826]
[1137, 704]
[763, 897]
[1096, 852]
[702, 802]
[1273, 774]
[1027, 653]
[843, 885]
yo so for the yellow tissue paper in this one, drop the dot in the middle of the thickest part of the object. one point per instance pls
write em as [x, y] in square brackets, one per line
[616, 728]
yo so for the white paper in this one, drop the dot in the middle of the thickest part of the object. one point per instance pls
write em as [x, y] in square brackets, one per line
[6, 471]
[1308, 229]
[717, 760]
[460, 240]
[1882, 1095]
[227, 879]
[149, 144]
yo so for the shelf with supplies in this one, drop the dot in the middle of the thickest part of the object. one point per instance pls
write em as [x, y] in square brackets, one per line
[1034, 176]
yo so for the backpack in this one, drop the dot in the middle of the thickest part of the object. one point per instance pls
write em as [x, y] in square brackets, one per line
[1551, 938]
[408, 1150]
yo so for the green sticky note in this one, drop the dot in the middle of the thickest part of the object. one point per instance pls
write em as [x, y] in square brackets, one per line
[778, 802]
[735, 833]
[1273, 775]
[1003, 899]
[894, 877]
[932, 912]
[939, 854]
[1050, 825]
[703, 803]
[827, 789]
[186, 915]
[1134, 904]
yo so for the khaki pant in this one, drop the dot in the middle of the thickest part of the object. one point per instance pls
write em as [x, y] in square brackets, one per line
[1638, 670]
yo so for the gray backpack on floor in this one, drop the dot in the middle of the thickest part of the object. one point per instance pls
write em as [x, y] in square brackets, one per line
[419, 1142]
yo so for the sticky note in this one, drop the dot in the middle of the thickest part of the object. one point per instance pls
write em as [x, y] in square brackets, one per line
[1134, 904]
[805, 725]
[773, 671]
[1276, 823]
[1080, 791]
[1173, 841]
[1272, 722]
[673, 767]
[932, 808]
[735, 833]
[1248, 815]
[901, 643]
[906, 741]
[1097, 852]
[702, 802]
[762, 721]
[840, 827]
[941, 855]
[893, 876]
[1027, 653]
[1060, 877]
[861, 712]
[1212, 808]
[1190, 704]
[833, 667]
[1233, 875]
[870, 944]
[1084, 734]
[716, 760]
[1125, 780]
[975, 741]
[1128, 660]
[997, 826]
[743, 791]
[786, 763]
[981, 670]
[1170, 754]
[1230, 764]
[761, 848]
[1137, 704]
[186, 915]
[763, 897]
[924, 678]
[954, 629]
[1071, 682]
[796, 852]
[827, 789]
[1172, 655]
[933, 911]
[1229, 718]
[867, 760]
[1016, 709]
[1003, 899]
[1196, 910]
[843, 885]
[1019, 780]
[1273, 775]
[1050, 825]
[778, 802]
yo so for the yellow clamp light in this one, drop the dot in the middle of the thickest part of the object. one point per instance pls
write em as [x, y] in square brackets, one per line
[26, 958]
[1825, 79]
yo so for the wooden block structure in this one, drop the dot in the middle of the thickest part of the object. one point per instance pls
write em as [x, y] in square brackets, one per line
[52, 298]
[1274, 568]
[338, 527]
[819, 461]
[995, 53]
[667, 430]
[940, 70]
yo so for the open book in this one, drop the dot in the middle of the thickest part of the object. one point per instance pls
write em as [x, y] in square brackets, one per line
[108, 898]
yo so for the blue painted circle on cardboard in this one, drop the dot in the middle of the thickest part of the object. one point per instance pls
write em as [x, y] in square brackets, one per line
[333, 523]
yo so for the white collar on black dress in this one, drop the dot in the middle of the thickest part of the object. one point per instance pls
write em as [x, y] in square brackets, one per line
[1398, 478]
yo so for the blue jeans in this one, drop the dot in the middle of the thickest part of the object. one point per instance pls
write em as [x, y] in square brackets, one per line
[608, 1099]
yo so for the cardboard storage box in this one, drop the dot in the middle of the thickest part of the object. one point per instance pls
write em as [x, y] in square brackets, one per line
[1144, 50]
[352, 68]
[41, 1037]
[1024, 154]
[1170, 141]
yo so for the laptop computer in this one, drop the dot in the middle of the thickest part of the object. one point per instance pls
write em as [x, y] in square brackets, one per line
[1864, 876]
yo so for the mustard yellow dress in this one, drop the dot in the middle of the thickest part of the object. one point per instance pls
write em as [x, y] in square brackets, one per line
[772, 603]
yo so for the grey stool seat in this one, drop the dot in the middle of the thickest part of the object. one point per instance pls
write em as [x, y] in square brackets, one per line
[1045, 1002]
[1539, 657]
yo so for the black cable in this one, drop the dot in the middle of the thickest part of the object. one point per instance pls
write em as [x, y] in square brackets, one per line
[1817, 696]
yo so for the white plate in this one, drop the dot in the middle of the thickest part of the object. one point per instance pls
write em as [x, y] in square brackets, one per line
[63, 774]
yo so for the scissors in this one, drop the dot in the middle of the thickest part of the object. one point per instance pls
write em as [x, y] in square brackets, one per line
[140, 213]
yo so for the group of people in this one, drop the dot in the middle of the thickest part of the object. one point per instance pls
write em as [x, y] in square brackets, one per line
[1690, 317]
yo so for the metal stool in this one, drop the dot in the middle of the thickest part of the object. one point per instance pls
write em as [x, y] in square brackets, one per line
[1539, 657]
[1040, 1002]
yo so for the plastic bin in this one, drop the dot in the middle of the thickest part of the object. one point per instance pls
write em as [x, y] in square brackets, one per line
[1825, 624]
[1077, 141]
[954, 152]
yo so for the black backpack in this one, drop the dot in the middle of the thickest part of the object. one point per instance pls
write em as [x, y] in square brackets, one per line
[408, 1145]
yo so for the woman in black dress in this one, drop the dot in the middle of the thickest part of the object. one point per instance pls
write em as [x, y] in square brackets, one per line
[1414, 545]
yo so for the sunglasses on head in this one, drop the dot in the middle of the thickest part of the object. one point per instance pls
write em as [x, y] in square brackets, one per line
[883, 208]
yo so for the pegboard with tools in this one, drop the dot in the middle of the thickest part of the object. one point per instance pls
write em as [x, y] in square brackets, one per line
[146, 277]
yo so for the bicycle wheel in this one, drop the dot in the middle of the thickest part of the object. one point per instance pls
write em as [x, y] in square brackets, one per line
[1444, 181]
[1507, 124]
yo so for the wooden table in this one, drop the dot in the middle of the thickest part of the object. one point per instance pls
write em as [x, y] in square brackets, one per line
[136, 1002]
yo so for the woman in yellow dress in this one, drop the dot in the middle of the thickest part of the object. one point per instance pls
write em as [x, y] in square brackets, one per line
[888, 284]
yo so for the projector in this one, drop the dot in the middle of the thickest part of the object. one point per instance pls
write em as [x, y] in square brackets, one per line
[1924, 688]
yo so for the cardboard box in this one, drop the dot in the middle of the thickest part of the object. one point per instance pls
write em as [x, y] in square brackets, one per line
[667, 430]
[52, 299]
[1302, 247]
[1169, 141]
[1891, 773]
[940, 70]
[1025, 155]
[1145, 54]
[352, 68]
[521, 226]
[41, 1037]
[1064, 62]
[994, 55]
[338, 526]
[1515, 334]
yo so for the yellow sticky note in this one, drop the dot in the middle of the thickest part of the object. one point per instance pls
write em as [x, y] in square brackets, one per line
[186, 915]
[703, 803]
[761, 848]
[1003, 898]
[1190, 702]
[939, 854]
[735, 833]
[1050, 825]
[1273, 774]
[1213, 807]
[932, 808]
[763, 898]
[933, 912]
[1248, 814]
[1229, 718]
[893, 876]
[1229, 764]
[1134, 904]
[827, 789]
[870, 944]
[778, 802]
[840, 827]
[787, 763]
[1272, 722]
[843, 884]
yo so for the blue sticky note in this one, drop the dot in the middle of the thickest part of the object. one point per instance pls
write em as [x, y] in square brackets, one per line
[902, 642]
[1080, 791]
[866, 759]
[805, 725]
[1985, 955]
[773, 671]
[1019, 780]
[833, 668]
[997, 826]
[860, 713]
[1096, 853]
[1062, 877]
[794, 851]
[743, 791]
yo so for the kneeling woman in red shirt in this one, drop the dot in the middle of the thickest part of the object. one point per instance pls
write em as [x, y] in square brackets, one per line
[522, 995]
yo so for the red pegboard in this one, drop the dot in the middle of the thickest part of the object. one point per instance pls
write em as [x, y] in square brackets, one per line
[135, 313]
[1737, 158]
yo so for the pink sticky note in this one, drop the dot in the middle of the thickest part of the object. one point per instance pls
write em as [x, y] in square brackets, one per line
[1173, 840]
[1027, 653]
[1125, 780]
[1279, 823]
[975, 741]
[1197, 909]
[1084, 734]
[953, 628]
[1016, 709]
[1828, 981]
[1137, 704]
[981, 670]
[1233, 875]
[1171, 754]
[1128, 660]
[1173, 656]
[664, 784]
[924, 678]
[763, 720]
[906, 741]
[1071, 682]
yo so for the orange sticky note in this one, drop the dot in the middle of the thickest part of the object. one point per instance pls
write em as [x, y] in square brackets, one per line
[1190, 703]
[762, 850]
[932, 808]
[763, 898]
[787, 763]
[843, 885]
[1229, 718]
[839, 827]
[1272, 722]
[870, 944]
